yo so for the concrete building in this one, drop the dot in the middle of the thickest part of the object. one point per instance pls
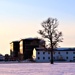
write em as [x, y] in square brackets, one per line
[60, 54]
[27, 46]
[14, 49]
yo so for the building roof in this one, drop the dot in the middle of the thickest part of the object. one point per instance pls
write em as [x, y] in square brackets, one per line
[14, 42]
[65, 49]
[30, 39]
[57, 49]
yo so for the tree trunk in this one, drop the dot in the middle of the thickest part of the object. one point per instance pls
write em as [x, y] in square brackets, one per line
[51, 50]
[52, 57]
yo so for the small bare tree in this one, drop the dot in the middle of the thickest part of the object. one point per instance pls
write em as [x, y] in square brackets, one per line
[50, 32]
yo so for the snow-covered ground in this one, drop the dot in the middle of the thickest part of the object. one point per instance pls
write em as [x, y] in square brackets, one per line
[37, 69]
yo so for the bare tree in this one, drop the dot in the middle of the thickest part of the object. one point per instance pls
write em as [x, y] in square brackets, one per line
[51, 32]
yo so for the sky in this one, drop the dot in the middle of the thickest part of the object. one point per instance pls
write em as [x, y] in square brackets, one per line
[22, 19]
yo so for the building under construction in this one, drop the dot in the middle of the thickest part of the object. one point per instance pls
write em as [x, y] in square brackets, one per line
[14, 49]
[27, 46]
[23, 49]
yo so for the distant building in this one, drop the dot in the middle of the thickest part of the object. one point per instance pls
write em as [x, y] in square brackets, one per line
[14, 49]
[2, 57]
[60, 54]
[27, 46]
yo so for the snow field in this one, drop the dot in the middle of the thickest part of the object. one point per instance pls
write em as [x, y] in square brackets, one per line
[37, 69]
